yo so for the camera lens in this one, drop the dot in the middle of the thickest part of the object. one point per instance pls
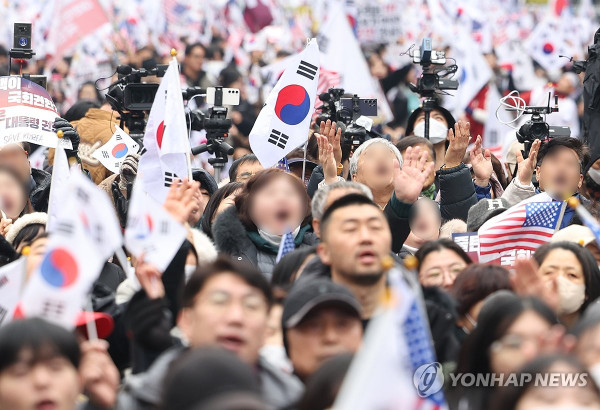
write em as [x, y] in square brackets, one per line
[22, 41]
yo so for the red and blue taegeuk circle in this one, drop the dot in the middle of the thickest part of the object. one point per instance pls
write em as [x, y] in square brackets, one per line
[548, 48]
[120, 150]
[293, 104]
[59, 268]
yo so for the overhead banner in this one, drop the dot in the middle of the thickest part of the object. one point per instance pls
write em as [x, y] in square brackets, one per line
[27, 113]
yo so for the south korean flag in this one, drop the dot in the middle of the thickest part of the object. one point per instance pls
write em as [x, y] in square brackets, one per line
[113, 153]
[284, 121]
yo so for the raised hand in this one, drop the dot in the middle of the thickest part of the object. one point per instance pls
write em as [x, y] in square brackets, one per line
[98, 374]
[409, 180]
[149, 278]
[527, 282]
[180, 201]
[327, 159]
[334, 136]
[526, 167]
[459, 141]
[481, 160]
[5, 225]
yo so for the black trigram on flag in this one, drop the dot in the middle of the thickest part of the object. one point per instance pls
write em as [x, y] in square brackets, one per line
[105, 154]
[66, 228]
[3, 313]
[307, 70]
[53, 308]
[170, 177]
[278, 139]
[164, 227]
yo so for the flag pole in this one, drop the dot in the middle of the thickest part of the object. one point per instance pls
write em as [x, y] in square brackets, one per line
[304, 161]
[188, 160]
[92, 331]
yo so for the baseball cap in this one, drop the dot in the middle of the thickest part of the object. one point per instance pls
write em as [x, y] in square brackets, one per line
[206, 180]
[307, 294]
[104, 323]
[483, 211]
[575, 233]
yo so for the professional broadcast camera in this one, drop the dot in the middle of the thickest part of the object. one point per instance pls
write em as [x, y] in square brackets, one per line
[350, 114]
[131, 98]
[216, 124]
[432, 80]
[537, 128]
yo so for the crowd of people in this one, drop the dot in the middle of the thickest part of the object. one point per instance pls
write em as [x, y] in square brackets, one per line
[269, 299]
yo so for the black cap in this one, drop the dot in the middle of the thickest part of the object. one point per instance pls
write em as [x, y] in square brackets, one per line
[206, 180]
[410, 124]
[307, 294]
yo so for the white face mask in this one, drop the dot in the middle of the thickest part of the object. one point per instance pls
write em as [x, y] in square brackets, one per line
[594, 174]
[437, 131]
[189, 271]
[571, 295]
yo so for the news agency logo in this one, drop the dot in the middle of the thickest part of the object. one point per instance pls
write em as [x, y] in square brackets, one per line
[428, 379]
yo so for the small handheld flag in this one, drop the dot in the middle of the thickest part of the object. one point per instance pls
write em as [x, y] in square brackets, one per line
[284, 121]
[287, 245]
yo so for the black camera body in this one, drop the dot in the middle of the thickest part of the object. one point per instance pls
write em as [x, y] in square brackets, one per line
[345, 111]
[22, 49]
[537, 128]
[131, 98]
[217, 125]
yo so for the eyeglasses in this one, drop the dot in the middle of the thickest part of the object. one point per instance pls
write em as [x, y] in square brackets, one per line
[222, 301]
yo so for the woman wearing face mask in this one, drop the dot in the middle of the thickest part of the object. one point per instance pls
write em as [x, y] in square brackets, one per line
[469, 290]
[510, 332]
[581, 394]
[273, 203]
[573, 272]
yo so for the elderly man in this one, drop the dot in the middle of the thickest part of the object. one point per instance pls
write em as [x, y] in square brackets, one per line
[377, 163]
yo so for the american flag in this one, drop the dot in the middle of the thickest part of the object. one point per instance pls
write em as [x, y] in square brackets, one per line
[328, 79]
[524, 226]
[287, 245]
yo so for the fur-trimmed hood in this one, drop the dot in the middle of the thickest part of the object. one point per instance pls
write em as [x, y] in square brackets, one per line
[229, 233]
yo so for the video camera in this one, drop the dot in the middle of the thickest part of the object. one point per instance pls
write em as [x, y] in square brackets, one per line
[216, 124]
[350, 114]
[22, 50]
[131, 98]
[537, 128]
[432, 80]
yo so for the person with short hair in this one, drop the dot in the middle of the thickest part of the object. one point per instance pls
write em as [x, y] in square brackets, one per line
[320, 319]
[558, 165]
[225, 303]
[42, 366]
[244, 168]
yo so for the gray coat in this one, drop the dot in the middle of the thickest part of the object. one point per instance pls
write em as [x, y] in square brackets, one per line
[230, 237]
[144, 391]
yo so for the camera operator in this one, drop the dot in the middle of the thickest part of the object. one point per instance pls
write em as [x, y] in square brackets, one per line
[191, 68]
[558, 166]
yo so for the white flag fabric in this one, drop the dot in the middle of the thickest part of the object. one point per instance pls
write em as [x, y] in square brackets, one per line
[85, 236]
[388, 370]
[166, 138]
[548, 42]
[12, 278]
[341, 55]
[473, 72]
[284, 121]
[151, 230]
[60, 180]
[113, 153]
